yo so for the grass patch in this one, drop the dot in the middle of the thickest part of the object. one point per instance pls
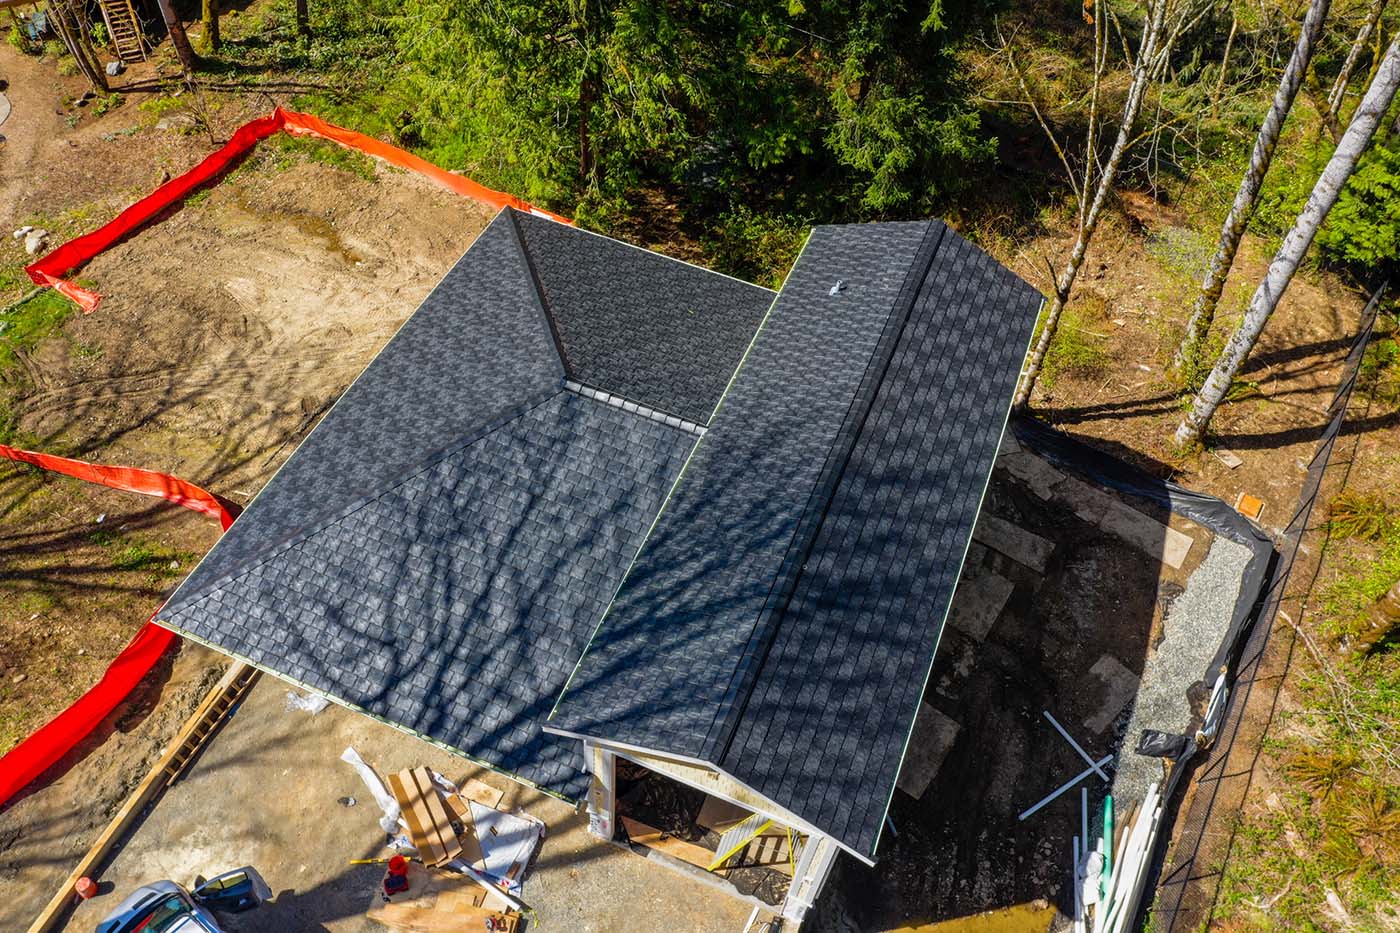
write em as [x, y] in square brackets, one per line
[1379, 374]
[23, 328]
[1181, 251]
[130, 553]
[1332, 822]
[1079, 347]
[287, 150]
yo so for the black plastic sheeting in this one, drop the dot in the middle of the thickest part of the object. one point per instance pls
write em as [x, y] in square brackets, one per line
[1206, 510]
[1198, 854]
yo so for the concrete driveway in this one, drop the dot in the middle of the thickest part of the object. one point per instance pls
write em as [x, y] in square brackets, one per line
[264, 793]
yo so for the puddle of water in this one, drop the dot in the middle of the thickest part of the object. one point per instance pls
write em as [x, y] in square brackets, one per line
[1034, 917]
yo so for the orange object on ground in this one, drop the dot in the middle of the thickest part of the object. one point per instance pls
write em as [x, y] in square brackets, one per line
[30, 758]
[69, 257]
[85, 888]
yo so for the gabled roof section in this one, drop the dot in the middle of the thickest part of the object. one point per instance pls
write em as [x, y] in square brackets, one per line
[787, 604]
[657, 331]
[438, 549]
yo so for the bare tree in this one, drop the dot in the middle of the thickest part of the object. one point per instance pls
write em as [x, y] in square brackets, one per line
[1247, 197]
[1337, 96]
[67, 22]
[1295, 245]
[1165, 22]
[177, 36]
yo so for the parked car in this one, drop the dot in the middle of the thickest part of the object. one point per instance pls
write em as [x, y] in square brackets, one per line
[166, 907]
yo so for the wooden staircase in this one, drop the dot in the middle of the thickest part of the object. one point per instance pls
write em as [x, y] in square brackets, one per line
[124, 29]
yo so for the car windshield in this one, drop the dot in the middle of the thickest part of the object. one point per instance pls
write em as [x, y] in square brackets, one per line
[166, 916]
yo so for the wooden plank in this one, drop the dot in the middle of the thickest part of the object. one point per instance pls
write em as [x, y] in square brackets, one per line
[665, 843]
[481, 792]
[415, 814]
[154, 782]
[442, 823]
[471, 846]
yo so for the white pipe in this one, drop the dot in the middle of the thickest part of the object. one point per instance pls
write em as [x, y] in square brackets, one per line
[1074, 881]
[1070, 739]
[1125, 863]
[1130, 904]
[1066, 786]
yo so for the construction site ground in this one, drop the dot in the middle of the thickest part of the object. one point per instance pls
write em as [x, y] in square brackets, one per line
[225, 331]
[266, 793]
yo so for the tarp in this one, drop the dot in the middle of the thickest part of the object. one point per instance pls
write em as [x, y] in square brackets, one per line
[51, 270]
[29, 759]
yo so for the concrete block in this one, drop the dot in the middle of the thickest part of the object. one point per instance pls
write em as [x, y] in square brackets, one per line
[978, 602]
[1118, 685]
[1015, 542]
[933, 736]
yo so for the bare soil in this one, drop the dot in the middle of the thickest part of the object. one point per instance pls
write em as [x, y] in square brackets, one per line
[226, 329]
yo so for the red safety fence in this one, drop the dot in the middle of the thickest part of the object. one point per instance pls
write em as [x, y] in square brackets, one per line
[32, 757]
[52, 269]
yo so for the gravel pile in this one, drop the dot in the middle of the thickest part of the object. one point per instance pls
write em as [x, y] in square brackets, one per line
[1195, 624]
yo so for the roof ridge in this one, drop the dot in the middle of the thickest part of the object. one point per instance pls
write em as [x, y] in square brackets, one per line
[499, 420]
[809, 524]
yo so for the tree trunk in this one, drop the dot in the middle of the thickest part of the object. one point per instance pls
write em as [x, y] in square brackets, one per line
[1247, 197]
[209, 21]
[1337, 96]
[1382, 621]
[1224, 62]
[1142, 72]
[587, 96]
[303, 18]
[177, 36]
[65, 24]
[1266, 298]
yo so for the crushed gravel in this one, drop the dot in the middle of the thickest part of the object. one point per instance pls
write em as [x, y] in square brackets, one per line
[1194, 626]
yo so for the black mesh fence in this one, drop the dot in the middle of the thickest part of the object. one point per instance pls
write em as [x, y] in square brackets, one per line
[1209, 795]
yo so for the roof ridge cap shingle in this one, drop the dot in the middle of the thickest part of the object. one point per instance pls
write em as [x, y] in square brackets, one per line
[735, 702]
[332, 516]
[541, 296]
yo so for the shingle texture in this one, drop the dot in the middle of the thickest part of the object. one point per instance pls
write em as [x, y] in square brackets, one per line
[440, 547]
[454, 602]
[788, 607]
[649, 328]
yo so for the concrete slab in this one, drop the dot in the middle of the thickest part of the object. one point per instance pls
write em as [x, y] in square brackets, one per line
[1022, 546]
[1098, 507]
[978, 602]
[265, 791]
[934, 734]
[1118, 686]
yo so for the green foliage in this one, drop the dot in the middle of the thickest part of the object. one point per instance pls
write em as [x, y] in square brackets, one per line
[290, 148]
[1379, 373]
[1364, 226]
[107, 102]
[131, 553]
[829, 110]
[158, 107]
[1076, 349]
[1182, 251]
[756, 247]
[1359, 515]
[22, 43]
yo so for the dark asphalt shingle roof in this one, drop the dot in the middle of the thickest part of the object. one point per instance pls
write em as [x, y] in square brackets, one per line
[437, 551]
[787, 605]
[624, 325]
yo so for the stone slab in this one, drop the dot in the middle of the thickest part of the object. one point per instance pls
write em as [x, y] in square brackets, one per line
[1022, 546]
[933, 736]
[1118, 684]
[978, 603]
[1097, 507]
